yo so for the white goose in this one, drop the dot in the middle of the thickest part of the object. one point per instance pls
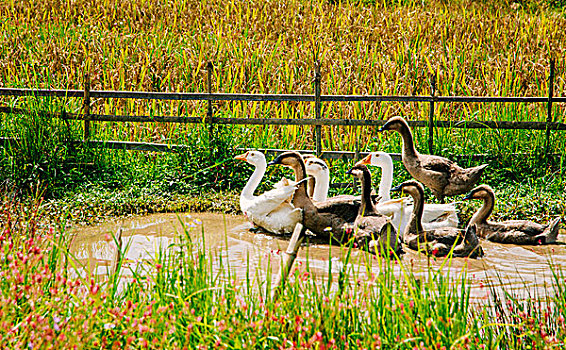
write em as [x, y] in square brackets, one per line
[271, 210]
[318, 169]
[434, 216]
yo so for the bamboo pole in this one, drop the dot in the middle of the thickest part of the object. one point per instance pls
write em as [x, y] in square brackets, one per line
[549, 105]
[488, 124]
[205, 96]
[209, 69]
[317, 108]
[86, 106]
[288, 259]
[431, 115]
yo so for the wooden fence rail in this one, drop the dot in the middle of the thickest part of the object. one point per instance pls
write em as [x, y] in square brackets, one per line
[503, 125]
[203, 96]
[317, 98]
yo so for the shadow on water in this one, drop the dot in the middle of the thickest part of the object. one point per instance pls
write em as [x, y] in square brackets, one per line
[523, 271]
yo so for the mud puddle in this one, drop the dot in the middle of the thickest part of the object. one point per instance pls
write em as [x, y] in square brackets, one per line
[523, 271]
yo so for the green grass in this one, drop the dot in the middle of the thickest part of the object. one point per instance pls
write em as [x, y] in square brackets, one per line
[181, 298]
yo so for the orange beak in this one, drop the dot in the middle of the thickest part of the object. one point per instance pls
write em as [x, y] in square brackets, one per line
[365, 161]
[242, 156]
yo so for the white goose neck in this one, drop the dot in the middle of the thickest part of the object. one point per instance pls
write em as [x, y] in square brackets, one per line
[385, 182]
[321, 186]
[254, 180]
[386, 179]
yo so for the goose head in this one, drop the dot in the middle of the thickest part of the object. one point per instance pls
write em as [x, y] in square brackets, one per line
[396, 123]
[412, 187]
[252, 157]
[480, 192]
[358, 171]
[380, 159]
[288, 159]
[316, 167]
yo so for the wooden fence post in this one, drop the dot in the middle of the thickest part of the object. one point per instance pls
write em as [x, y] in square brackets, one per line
[209, 113]
[549, 105]
[86, 107]
[209, 69]
[317, 108]
[431, 114]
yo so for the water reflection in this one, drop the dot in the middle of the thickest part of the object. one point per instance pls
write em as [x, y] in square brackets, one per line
[524, 270]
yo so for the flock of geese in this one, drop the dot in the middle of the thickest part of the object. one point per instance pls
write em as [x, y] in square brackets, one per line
[380, 224]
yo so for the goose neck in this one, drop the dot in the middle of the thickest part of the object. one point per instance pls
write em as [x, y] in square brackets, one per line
[254, 180]
[366, 206]
[415, 221]
[386, 181]
[301, 193]
[322, 182]
[408, 143]
[485, 211]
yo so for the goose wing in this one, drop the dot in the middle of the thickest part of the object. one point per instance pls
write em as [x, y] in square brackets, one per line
[270, 200]
[344, 206]
[526, 227]
[440, 215]
[438, 164]
[393, 206]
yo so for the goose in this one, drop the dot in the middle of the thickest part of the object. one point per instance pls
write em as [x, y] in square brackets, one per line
[369, 220]
[434, 215]
[440, 241]
[311, 182]
[324, 219]
[272, 210]
[344, 205]
[443, 176]
[319, 172]
[511, 231]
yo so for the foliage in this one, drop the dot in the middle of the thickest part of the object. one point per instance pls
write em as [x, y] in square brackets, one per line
[189, 297]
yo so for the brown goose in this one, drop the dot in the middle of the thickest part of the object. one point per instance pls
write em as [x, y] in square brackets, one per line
[511, 231]
[440, 241]
[443, 176]
[326, 222]
[369, 221]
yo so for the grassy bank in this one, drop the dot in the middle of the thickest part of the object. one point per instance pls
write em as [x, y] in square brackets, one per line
[180, 300]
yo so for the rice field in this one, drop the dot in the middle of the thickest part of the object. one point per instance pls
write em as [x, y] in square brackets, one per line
[383, 48]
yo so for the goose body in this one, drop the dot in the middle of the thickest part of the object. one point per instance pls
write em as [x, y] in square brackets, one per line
[369, 222]
[438, 242]
[511, 231]
[344, 205]
[271, 210]
[434, 215]
[327, 225]
[443, 176]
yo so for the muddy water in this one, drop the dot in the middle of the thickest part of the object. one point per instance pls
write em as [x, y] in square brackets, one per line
[522, 270]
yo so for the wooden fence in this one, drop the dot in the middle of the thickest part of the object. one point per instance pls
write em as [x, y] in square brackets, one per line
[86, 94]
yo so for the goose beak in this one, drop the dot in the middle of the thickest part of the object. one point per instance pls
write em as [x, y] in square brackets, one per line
[241, 156]
[397, 188]
[349, 172]
[468, 197]
[277, 160]
[365, 161]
